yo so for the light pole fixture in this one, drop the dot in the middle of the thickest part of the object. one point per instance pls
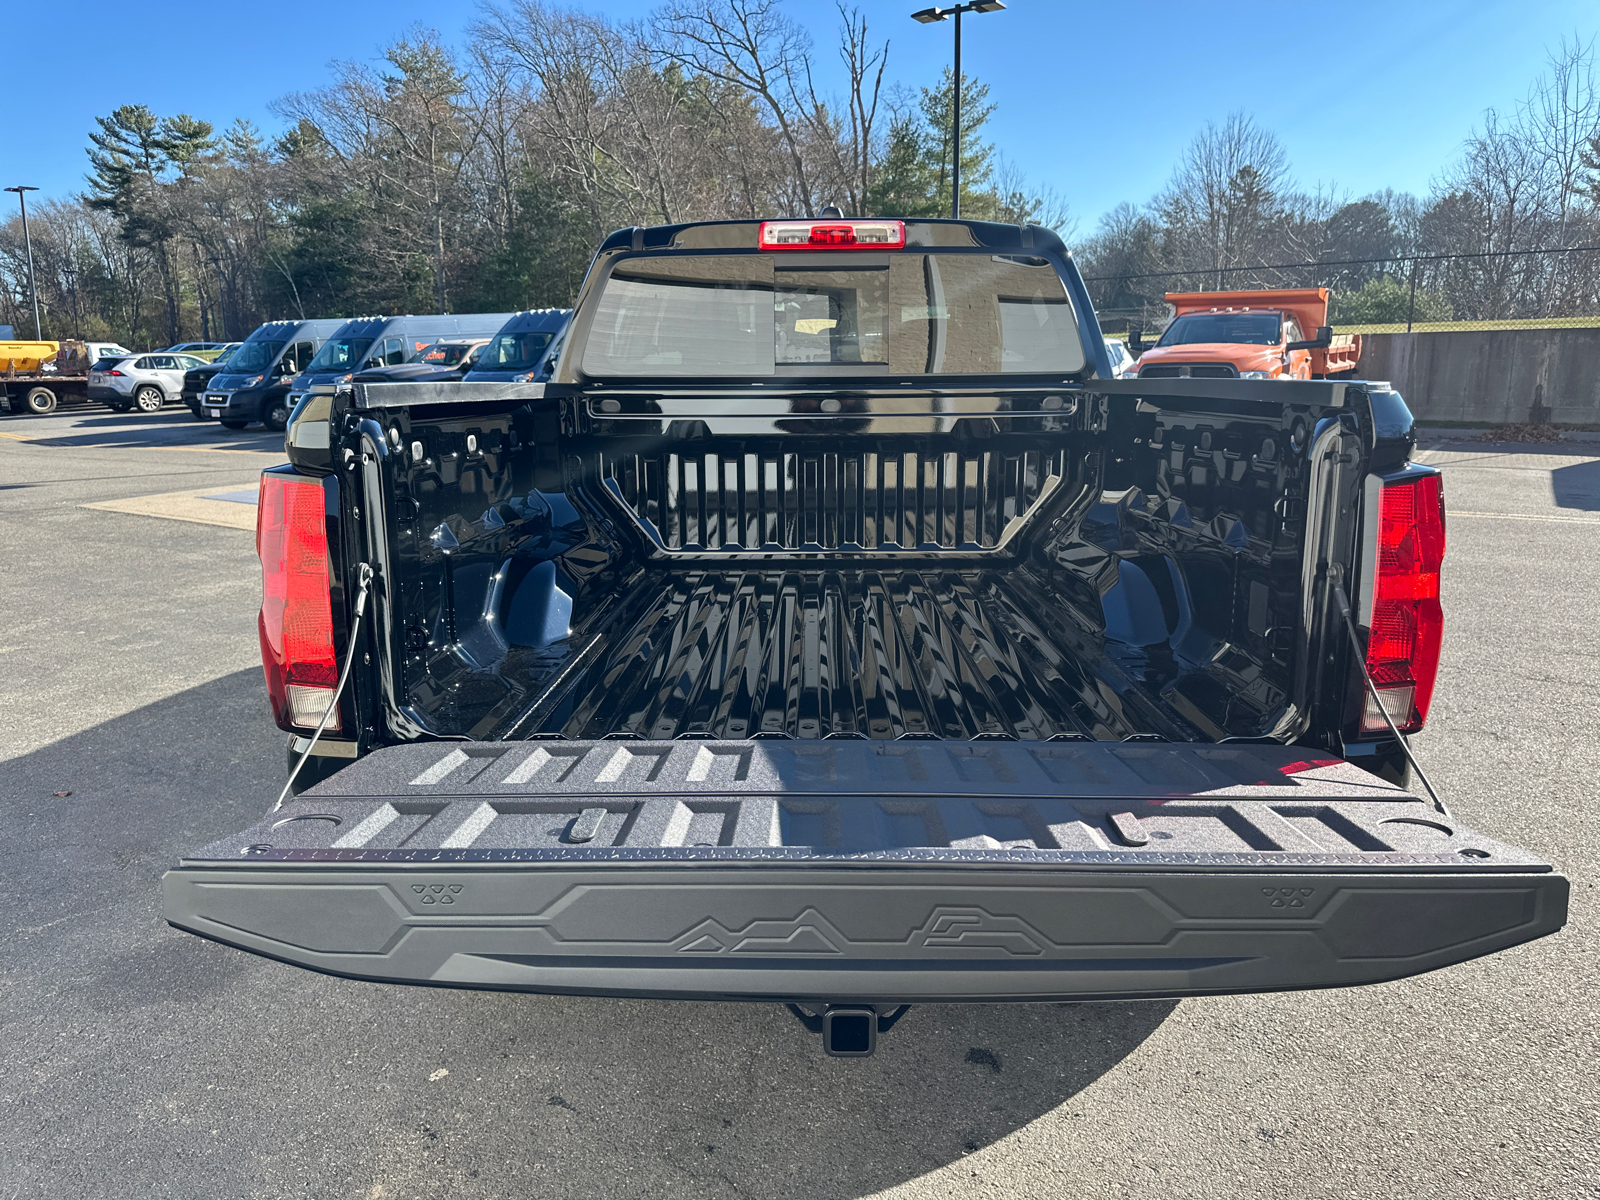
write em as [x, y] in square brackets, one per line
[928, 16]
[33, 289]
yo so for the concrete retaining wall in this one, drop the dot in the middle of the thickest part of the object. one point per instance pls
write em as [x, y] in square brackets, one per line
[1542, 376]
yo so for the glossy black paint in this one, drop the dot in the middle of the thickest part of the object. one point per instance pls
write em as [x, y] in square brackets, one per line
[1017, 563]
[1081, 557]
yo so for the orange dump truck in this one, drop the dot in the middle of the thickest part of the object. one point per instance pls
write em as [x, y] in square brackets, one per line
[1278, 334]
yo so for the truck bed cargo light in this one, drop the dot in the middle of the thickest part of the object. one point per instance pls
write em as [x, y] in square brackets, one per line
[833, 235]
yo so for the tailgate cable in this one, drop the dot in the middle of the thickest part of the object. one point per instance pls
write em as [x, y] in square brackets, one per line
[365, 576]
[1343, 601]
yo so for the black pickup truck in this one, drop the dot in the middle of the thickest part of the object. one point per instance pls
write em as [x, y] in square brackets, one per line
[835, 630]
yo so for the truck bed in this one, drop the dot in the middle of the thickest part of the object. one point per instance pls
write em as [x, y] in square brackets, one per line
[840, 653]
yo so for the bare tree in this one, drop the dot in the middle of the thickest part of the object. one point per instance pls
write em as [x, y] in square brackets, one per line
[753, 46]
[1224, 193]
[850, 144]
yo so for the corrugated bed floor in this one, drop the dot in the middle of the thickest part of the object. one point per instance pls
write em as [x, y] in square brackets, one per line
[734, 654]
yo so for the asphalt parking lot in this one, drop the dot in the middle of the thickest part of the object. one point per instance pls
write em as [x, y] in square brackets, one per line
[144, 1062]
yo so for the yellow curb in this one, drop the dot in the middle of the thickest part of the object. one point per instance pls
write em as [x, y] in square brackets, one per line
[191, 505]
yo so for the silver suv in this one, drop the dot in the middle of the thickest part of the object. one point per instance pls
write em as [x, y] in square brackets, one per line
[142, 381]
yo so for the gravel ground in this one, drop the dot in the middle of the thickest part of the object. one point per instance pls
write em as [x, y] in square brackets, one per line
[144, 1062]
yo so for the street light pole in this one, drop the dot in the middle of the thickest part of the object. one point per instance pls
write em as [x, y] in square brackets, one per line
[33, 288]
[927, 16]
[955, 136]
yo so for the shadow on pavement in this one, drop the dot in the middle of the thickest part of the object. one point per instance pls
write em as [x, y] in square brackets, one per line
[135, 1048]
[166, 429]
[1577, 486]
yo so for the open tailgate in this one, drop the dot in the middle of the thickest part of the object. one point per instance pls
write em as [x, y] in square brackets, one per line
[863, 871]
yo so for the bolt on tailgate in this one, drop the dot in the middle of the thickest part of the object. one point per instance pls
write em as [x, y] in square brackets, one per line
[867, 871]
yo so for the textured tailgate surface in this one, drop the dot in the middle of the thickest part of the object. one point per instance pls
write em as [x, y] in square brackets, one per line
[955, 801]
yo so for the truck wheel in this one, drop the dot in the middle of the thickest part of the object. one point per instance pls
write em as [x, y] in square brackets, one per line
[276, 418]
[41, 400]
[149, 399]
[231, 424]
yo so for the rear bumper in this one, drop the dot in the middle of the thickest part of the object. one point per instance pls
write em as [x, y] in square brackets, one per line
[804, 871]
[866, 933]
[99, 391]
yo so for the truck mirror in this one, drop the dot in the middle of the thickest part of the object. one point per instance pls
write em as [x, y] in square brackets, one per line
[1322, 341]
[1136, 338]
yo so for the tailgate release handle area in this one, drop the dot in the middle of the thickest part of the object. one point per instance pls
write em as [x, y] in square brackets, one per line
[1129, 830]
[586, 824]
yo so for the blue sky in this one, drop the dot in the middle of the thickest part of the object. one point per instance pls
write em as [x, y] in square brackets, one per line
[1095, 100]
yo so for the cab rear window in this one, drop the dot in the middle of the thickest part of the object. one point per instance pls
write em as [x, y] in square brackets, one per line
[895, 314]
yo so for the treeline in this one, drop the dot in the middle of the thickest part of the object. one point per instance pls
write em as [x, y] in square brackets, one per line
[1482, 244]
[481, 178]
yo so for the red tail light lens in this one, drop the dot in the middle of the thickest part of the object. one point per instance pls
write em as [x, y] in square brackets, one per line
[833, 235]
[296, 623]
[1407, 622]
[115, 372]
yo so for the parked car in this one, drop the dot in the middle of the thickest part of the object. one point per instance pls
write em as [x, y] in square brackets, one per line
[255, 385]
[369, 343]
[1122, 361]
[210, 351]
[767, 656]
[196, 381]
[524, 349]
[142, 381]
[446, 361]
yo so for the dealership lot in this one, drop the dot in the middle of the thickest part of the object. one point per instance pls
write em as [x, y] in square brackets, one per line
[143, 1061]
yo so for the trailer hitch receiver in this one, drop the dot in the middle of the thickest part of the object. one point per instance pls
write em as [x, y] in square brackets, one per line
[849, 1030]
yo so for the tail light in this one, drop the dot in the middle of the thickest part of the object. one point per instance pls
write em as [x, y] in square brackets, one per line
[115, 372]
[296, 623]
[1407, 623]
[833, 235]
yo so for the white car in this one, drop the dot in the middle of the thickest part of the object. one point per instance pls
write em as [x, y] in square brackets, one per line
[1123, 363]
[142, 381]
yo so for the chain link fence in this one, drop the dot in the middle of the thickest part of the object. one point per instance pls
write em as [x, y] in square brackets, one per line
[1423, 293]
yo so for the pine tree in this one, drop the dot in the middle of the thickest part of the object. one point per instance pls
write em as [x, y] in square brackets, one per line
[938, 110]
[904, 184]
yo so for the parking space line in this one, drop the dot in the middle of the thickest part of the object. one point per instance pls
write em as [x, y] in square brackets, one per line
[1557, 518]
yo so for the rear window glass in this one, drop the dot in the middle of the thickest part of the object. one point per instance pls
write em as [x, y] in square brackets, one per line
[897, 314]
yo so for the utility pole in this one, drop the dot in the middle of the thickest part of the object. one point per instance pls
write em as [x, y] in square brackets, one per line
[71, 270]
[927, 16]
[33, 288]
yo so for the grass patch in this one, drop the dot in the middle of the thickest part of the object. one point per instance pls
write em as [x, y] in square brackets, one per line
[1476, 326]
